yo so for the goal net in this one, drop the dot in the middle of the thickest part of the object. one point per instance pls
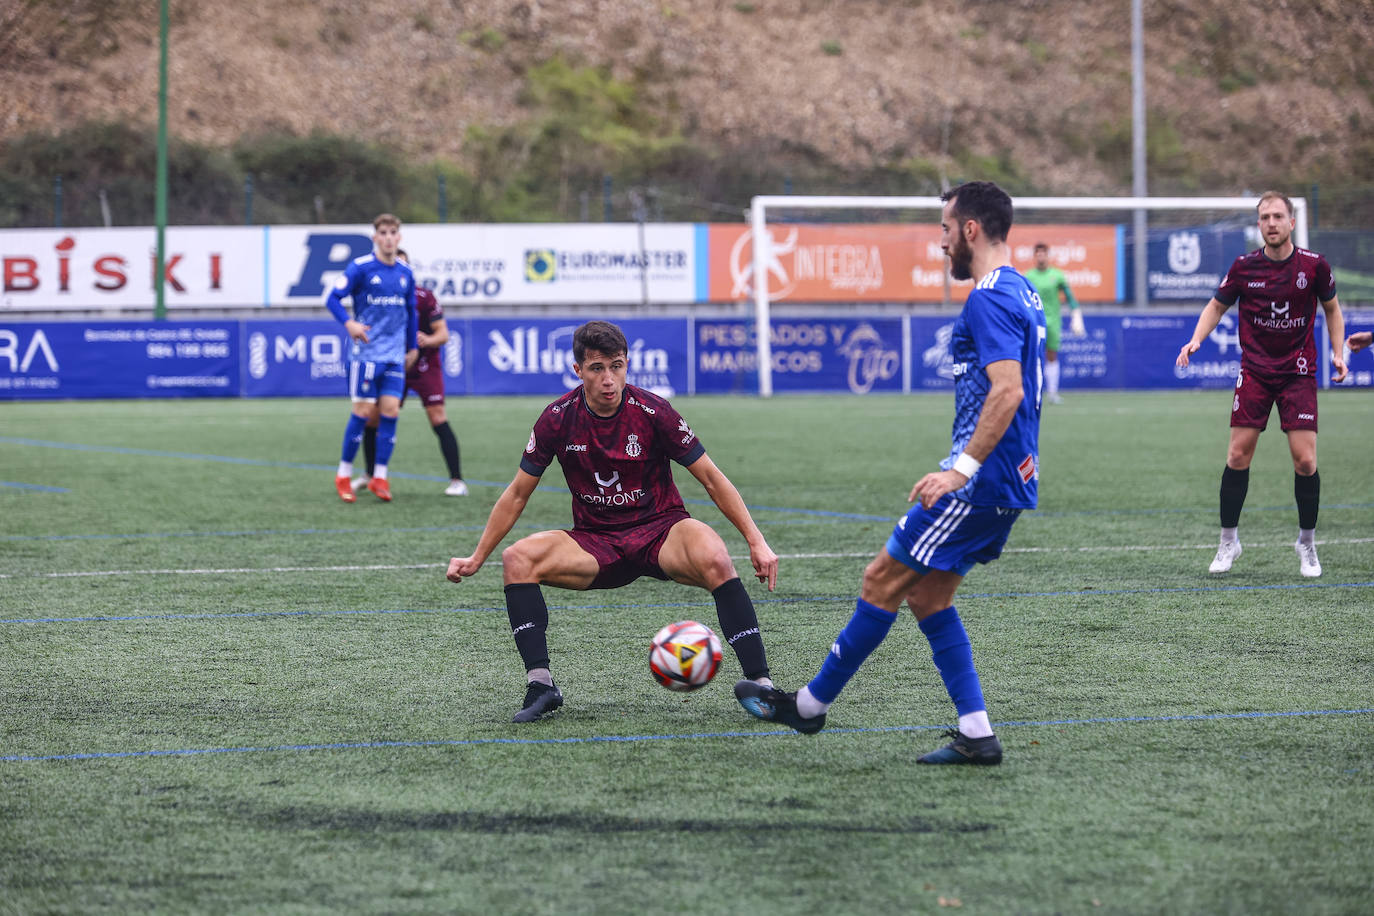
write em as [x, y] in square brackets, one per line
[817, 255]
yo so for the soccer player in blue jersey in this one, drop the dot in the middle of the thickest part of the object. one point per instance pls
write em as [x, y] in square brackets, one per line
[383, 331]
[616, 444]
[963, 512]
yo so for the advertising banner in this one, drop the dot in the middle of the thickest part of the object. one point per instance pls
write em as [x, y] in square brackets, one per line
[1187, 263]
[892, 263]
[486, 264]
[205, 267]
[536, 356]
[119, 359]
[858, 355]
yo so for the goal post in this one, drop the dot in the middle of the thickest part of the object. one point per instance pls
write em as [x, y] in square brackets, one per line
[1103, 209]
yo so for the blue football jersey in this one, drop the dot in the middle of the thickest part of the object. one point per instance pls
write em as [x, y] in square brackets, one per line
[383, 299]
[1003, 318]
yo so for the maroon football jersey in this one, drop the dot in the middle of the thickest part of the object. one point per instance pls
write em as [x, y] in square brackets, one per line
[429, 313]
[617, 467]
[1278, 308]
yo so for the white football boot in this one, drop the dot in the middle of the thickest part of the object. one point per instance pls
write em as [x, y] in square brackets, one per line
[1307, 559]
[1227, 553]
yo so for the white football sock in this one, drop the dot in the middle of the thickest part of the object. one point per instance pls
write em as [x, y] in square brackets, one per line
[540, 675]
[808, 707]
[975, 724]
[1052, 377]
[1231, 535]
[345, 469]
[1307, 535]
[379, 472]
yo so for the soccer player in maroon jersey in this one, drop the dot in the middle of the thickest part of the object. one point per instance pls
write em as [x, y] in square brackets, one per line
[1279, 287]
[614, 442]
[426, 378]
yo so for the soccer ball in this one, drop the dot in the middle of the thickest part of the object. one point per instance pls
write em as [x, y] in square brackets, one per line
[684, 655]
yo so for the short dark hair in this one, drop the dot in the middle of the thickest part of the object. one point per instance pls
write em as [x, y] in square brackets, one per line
[386, 219]
[601, 336]
[984, 203]
[1275, 195]
[1041, 246]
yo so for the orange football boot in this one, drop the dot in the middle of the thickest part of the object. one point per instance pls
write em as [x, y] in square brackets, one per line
[380, 489]
[345, 488]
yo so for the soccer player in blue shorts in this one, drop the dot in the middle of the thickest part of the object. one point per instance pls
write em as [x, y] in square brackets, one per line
[616, 444]
[963, 512]
[383, 331]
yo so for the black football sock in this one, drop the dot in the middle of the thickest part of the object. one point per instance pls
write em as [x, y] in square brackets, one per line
[1233, 486]
[740, 626]
[529, 621]
[448, 444]
[1308, 492]
[370, 448]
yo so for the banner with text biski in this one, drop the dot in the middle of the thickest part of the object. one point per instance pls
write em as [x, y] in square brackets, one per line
[204, 267]
[119, 360]
[855, 355]
[508, 356]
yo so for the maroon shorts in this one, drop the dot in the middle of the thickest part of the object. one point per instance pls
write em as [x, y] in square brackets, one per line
[626, 555]
[1256, 394]
[427, 379]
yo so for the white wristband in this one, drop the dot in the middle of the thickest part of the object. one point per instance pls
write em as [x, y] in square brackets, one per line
[966, 464]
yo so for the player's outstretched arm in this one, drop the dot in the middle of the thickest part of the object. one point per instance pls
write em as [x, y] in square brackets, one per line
[726, 497]
[1206, 324]
[502, 519]
[1359, 341]
[1335, 329]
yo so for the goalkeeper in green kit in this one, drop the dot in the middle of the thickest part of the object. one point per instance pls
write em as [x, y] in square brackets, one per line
[1050, 283]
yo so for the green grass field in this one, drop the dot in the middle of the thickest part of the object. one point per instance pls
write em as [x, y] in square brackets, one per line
[223, 690]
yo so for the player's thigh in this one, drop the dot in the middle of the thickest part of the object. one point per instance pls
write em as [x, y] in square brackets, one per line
[436, 413]
[389, 405]
[694, 554]
[549, 558]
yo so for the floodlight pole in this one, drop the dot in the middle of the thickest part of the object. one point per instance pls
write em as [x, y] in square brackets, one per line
[1138, 164]
[159, 270]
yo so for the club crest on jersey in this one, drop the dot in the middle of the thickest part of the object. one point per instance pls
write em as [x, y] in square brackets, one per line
[1302, 280]
[1027, 469]
[632, 446]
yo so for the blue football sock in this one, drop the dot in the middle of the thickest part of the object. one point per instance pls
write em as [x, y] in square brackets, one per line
[353, 437]
[386, 440]
[865, 630]
[953, 655]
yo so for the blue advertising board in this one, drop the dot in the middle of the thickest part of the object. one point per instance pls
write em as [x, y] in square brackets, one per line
[671, 356]
[1186, 263]
[119, 359]
[857, 355]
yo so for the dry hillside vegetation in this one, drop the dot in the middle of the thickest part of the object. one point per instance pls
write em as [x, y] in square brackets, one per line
[1236, 90]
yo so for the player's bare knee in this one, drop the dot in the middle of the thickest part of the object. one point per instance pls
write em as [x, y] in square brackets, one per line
[1305, 466]
[517, 563]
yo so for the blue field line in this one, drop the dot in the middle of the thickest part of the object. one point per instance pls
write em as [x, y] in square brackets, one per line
[626, 739]
[33, 486]
[690, 605]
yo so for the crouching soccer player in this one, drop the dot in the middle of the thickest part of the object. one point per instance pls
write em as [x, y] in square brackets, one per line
[614, 442]
[963, 512]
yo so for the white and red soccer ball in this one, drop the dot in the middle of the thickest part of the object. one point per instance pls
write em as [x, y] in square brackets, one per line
[684, 655]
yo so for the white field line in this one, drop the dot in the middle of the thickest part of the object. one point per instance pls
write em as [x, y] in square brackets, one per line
[382, 567]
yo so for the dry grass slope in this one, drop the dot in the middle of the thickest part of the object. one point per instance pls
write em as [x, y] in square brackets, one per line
[1237, 96]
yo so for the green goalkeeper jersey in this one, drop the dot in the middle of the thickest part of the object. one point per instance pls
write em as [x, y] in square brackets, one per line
[1049, 283]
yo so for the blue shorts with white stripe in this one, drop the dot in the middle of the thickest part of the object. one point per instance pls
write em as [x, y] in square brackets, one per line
[952, 535]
